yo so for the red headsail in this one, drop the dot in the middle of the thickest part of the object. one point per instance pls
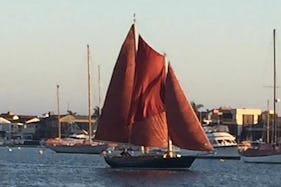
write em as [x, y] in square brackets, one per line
[185, 129]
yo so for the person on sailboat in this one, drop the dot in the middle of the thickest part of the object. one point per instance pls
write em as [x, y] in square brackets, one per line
[125, 153]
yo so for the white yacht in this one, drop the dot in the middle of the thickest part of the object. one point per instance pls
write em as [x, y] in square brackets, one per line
[225, 146]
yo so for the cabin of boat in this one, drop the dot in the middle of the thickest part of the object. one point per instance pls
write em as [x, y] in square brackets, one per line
[222, 139]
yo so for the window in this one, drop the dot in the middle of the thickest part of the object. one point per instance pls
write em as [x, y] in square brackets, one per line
[248, 119]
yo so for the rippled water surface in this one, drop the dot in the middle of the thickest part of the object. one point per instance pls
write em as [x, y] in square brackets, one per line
[43, 167]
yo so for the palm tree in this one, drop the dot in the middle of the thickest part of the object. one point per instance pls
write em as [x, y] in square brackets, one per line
[96, 113]
[71, 113]
[196, 108]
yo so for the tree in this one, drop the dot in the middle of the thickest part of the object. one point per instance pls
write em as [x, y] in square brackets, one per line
[96, 112]
[196, 108]
[71, 113]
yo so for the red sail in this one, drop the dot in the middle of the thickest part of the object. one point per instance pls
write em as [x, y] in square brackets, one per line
[185, 129]
[113, 123]
[149, 126]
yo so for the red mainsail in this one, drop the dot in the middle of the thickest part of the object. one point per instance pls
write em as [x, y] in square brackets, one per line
[113, 124]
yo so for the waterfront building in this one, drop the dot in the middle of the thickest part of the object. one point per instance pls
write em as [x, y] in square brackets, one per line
[17, 129]
[234, 118]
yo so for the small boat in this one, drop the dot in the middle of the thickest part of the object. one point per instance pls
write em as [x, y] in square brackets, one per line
[145, 106]
[260, 152]
[72, 145]
[270, 151]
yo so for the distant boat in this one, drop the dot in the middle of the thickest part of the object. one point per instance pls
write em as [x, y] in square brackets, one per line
[145, 106]
[261, 152]
[84, 145]
[73, 145]
[225, 147]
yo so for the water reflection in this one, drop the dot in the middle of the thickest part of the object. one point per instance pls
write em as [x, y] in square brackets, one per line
[27, 167]
[148, 177]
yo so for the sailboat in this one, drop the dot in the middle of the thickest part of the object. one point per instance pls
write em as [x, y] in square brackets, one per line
[269, 152]
[146, 107]
[75, 144]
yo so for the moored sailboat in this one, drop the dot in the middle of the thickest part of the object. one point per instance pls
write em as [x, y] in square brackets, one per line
[145, 106]
[77, 145]
[269, 152]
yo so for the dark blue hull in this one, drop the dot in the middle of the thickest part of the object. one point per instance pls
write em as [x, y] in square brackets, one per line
[155, 161]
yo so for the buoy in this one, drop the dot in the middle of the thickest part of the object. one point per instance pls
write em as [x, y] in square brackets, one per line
[41, 152]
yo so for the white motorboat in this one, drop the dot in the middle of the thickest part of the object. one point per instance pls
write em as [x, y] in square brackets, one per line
[224, 144]
[225, 147]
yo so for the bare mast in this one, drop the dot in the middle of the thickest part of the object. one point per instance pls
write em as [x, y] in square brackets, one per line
[58, 110]
[267, 124]
[136, 34]
[89, 93]
[274, 89]
[99, 90]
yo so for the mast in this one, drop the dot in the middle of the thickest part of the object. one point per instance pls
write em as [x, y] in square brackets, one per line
[89, 93]
[267, 123]
[99, 90]
[58, 110]
[170, 143]
[274, 89]
[136, 33]
[144, 150]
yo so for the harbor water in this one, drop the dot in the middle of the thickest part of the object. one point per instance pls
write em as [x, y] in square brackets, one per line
[42, 167]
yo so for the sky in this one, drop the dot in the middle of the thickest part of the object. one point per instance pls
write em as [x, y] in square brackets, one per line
[221, 50]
